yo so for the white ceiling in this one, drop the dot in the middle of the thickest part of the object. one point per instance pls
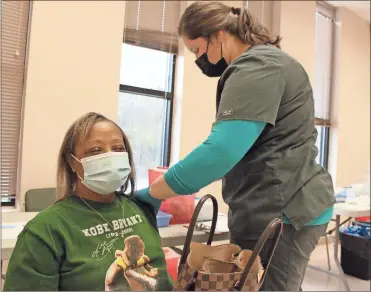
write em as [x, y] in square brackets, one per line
[361, 8]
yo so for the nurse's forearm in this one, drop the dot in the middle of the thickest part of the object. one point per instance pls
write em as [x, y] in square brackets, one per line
[228, 142]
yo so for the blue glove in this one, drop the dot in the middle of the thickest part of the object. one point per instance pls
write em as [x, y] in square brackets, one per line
[144, 197]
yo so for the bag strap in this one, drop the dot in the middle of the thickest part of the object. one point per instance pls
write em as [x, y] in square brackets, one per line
[275, 225]
[192, 226]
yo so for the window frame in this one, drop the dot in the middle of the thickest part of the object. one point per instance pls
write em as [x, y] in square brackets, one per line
[329, 12]
[169, 97]
[324, 136]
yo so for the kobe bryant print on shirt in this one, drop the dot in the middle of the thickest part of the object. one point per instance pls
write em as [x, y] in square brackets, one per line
[131, 269]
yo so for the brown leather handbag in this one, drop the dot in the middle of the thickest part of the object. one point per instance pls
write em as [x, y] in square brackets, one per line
[223, 267]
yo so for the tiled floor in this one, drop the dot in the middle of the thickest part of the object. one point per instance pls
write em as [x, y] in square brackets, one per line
[319, 281]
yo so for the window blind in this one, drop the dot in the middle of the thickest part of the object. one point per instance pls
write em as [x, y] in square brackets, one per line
[14, 26]
[324, 40]
[152, 24]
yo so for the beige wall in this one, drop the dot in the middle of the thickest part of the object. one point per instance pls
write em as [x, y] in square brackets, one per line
[297, 28]
[350, 135]
[73, 68]
[198, 96]
[295, 21]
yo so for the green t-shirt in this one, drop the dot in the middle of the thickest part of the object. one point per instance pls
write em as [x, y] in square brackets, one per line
[69, 246]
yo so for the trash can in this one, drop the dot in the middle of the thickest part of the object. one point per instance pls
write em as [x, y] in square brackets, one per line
[172, 262]
[355, 251]
[366, 219]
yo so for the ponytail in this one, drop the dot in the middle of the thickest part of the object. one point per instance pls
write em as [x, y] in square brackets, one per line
[204, 18]
[251, 31]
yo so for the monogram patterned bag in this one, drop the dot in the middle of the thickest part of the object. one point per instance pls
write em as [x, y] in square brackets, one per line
[223, 267]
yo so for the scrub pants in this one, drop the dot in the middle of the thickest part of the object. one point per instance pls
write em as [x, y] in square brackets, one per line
[290, 260]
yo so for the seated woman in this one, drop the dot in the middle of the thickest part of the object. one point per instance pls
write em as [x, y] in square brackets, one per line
[77, 243]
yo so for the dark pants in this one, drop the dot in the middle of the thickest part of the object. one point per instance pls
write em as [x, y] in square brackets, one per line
[290, 260]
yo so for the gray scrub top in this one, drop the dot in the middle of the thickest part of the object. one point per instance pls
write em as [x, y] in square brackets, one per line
[279, 174]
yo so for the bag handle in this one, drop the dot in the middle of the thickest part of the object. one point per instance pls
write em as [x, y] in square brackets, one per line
[192, 226]
[275, 225]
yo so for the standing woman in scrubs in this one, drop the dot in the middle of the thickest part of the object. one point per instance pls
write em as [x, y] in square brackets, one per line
[262, 143]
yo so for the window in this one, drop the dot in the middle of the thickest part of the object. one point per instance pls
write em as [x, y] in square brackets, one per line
[14, 30]
[150, 45]
[145, 106]
[322, 144]
[324, 47]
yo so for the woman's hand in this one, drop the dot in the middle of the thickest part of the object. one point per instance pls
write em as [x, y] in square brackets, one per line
[160, 189]
[144, 197]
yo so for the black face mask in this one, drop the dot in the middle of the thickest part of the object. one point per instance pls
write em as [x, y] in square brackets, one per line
[210, 69]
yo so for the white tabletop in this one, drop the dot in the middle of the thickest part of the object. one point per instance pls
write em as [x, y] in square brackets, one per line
[170, 236]
[17, 217]
[351, 210]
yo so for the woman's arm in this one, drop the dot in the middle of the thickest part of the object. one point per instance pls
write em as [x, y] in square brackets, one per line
[33, 265]
[228, 142]
[144, 196]
[111, 274]
[252, 92]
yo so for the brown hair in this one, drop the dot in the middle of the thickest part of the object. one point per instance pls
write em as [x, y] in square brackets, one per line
[81, 129]
[204, 19]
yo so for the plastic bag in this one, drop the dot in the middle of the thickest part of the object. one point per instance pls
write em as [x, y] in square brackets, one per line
[358, 230]
[180, 207]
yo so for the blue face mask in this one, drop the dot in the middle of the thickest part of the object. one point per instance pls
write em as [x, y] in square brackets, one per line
[105, 173]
